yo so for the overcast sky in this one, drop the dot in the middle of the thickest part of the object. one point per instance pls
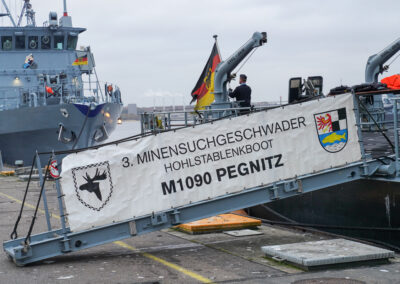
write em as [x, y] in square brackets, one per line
[154, 49]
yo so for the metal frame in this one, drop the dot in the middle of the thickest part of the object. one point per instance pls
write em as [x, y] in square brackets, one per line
[396, 134]
[60, 241]
[186, 118]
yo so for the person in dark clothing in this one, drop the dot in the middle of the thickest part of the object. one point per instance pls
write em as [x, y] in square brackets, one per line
[242, 93]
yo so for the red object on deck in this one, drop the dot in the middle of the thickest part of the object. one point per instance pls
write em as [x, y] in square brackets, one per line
[392, 82]
[49, 90]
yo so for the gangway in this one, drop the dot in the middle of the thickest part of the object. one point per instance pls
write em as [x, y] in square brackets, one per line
[226, 161]
[55, 242]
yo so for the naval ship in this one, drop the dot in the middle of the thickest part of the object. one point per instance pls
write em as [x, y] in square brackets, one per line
[365, 209]
[50, 95]
[223, 157]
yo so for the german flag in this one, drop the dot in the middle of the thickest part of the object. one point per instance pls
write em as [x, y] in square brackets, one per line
[81, 60]
[203, 92]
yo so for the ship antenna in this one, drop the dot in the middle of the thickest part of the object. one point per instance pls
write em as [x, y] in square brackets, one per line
[65, 9]
[8, 13]
[65, 20]
[29, 13]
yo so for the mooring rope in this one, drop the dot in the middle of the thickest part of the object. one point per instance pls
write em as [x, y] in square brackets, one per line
[26, 241]
[14, 233]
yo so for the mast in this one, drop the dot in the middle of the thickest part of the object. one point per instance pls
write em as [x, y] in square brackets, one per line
[65, 20]
[8, 13]
[65, 9]
[29, 13]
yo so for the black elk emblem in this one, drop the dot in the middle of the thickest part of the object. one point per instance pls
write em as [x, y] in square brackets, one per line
[91, 185]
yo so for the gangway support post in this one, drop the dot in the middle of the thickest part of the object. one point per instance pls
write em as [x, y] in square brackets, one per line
[64, 229]
[1, 162]
[41, 181]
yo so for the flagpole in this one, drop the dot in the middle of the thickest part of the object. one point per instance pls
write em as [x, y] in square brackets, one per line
[216, 43]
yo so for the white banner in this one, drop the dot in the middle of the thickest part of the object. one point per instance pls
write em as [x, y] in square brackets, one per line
[172, 169]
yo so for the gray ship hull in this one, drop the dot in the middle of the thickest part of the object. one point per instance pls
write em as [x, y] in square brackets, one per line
[365, 209]
[24, 131]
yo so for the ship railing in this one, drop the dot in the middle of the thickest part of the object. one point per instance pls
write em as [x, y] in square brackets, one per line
[92, 89]
[19, 97]
[110, 94]
[378, 125]
[160, 121]
[376, 116]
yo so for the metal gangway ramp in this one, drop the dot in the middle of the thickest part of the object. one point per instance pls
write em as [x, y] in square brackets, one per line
[56, 242]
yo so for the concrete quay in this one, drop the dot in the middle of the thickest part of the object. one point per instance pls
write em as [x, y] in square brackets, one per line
[169, 256]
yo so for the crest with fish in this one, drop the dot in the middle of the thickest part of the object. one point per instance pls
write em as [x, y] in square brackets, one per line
[332, 129]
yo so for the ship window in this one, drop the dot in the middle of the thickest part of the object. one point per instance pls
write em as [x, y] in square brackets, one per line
[33, 42]
[45, 41]
[20, 42]
[6, 42]
[72, 42]
[58, 42]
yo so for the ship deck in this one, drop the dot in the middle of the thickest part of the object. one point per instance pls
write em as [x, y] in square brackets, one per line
[377, 145]
[168, 256]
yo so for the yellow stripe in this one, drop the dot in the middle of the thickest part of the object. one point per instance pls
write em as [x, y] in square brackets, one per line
[125, 245]
[167, 263]
[80, 63]
[28, 205]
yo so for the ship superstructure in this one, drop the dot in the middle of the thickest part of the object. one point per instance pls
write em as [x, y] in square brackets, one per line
[50, 96]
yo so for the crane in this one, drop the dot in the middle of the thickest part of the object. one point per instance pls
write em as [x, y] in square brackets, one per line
[375, 62]
[222, 73]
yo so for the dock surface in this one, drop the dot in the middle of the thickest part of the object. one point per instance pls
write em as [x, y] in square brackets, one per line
[168, 256]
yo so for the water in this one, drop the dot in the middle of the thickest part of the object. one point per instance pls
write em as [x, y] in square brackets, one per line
[126, 129]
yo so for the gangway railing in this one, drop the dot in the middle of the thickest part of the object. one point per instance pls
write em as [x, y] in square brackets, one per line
[386, 127]
[55, 242]
[396, 133]
[160, 121]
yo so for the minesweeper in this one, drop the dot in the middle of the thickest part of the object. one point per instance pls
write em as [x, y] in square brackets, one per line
[186, 166]
[50, 96]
